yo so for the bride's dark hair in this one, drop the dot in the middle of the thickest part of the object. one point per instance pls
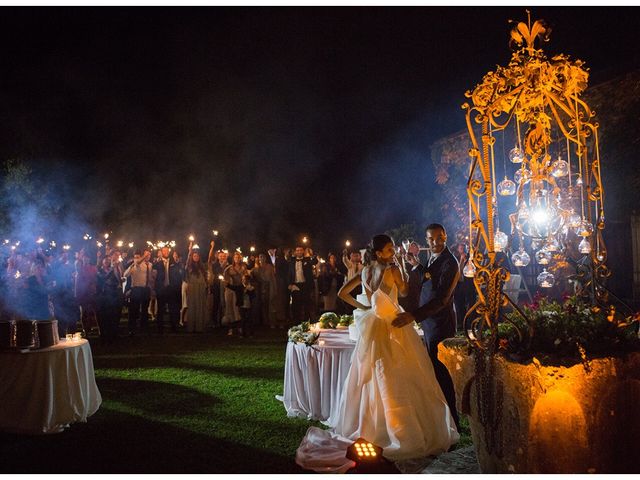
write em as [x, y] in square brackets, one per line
[377, 243]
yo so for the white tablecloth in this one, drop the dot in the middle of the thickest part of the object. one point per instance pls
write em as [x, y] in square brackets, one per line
[314, 376]
[43, 391]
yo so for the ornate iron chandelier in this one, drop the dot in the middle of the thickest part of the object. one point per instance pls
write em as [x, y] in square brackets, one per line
[557, 217]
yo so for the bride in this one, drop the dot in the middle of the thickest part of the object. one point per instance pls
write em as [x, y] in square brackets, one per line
[391, 396]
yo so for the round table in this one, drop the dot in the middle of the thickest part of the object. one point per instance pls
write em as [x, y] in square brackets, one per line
[43, 391]
[314, 375]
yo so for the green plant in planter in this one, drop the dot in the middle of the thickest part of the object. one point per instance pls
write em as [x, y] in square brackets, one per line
[572, 329]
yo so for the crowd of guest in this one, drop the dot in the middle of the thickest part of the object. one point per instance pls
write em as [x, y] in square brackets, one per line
[276, 288]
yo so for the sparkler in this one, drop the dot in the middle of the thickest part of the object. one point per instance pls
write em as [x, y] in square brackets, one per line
[161, 244]
[215, 233]
[86, 236]
[6, 241]
[347, 243]
[39, 240]
[191, 238]
[52, 244]
[196, 247]
[130, 244]
[305, 239]
[99, 243]
[252, 249]
[119, 243]
[66, 247]
[18, 274]
[172, 243]
[106, 236]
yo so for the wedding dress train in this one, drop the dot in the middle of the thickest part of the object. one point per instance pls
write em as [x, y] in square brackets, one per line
[391, 396]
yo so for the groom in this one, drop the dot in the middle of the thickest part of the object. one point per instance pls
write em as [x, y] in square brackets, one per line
[435, 285]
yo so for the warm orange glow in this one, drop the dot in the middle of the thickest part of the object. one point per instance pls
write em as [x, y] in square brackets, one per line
[558, 434]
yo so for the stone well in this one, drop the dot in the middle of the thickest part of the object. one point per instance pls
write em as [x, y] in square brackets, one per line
[533, 418]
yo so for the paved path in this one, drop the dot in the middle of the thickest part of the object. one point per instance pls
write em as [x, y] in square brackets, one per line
[459, 461]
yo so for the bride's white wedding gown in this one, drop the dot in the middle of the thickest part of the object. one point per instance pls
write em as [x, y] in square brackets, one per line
[391, 396]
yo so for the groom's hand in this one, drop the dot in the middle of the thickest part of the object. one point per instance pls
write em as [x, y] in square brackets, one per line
[404, 318]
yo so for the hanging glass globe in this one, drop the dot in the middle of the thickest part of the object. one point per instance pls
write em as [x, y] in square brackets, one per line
[522, 174]
[543, 257]
[552, 244]
[506, 187]
[585, 229]
[574, 220]
[520, 258]
[516, 155]
[500, 241]
[560, 168]
[546, 279]
[584, 246]
[469, 269]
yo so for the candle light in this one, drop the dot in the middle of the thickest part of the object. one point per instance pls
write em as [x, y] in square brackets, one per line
[347, 243]
[305, 239]
[77, 336]
[220, 277]
[69, 337]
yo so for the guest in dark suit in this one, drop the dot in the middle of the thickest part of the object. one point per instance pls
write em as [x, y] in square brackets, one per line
[168, 287]
[436, 311]
[301, 284]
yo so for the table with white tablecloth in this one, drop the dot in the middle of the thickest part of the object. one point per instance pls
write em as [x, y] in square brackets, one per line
[43, 391]
[314, 375]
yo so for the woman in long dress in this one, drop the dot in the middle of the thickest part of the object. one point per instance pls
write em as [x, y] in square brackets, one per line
[391, 396]
[196, 278]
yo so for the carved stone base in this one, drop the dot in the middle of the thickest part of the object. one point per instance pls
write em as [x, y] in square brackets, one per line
[549, 419]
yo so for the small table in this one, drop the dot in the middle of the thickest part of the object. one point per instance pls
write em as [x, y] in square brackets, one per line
[43, 391]
[314, 376]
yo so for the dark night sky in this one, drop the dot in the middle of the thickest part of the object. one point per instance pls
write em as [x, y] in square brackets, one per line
[266, 123]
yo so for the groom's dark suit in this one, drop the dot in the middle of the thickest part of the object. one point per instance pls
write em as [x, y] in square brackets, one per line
[436, 313]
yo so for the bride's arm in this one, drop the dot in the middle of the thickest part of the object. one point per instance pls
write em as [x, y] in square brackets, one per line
[401, 279]
[346, 290]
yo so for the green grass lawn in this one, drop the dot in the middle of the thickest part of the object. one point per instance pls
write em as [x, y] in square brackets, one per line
[178, 403]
